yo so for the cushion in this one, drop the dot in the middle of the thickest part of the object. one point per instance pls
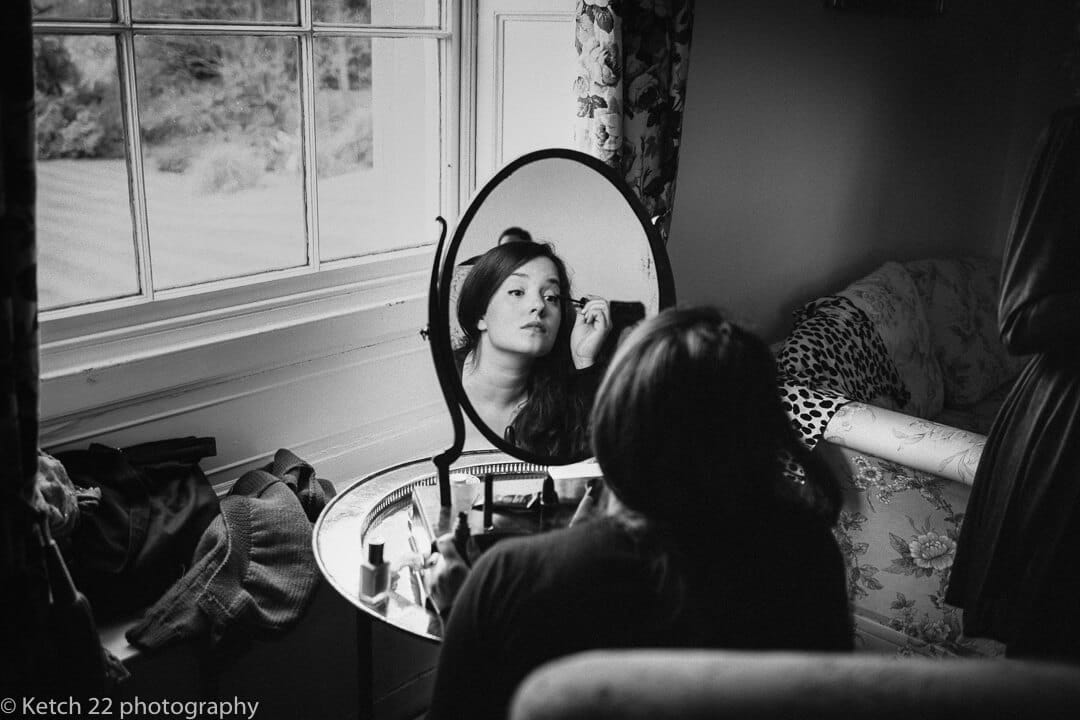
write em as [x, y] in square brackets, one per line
[977, 417]
[890, 299]
[960, 300]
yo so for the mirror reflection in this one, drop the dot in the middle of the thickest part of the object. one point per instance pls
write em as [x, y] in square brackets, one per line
[557, 266]
[528, 363]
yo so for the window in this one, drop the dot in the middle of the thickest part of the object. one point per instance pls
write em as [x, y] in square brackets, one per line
[193, 147]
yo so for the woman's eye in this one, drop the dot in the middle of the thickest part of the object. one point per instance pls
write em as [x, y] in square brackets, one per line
[517, 293]
[553, 299]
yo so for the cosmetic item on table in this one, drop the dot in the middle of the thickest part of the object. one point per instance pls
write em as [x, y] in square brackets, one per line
[549, 504]
[516, 502]
[462, 533]
[415, 568]
[489, 502]
[464, 490]
[374, 573]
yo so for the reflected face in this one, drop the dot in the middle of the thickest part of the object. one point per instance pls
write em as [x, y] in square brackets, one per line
[524, 314]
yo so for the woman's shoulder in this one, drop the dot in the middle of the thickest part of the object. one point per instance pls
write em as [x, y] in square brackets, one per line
[601, 532]
[596, 547]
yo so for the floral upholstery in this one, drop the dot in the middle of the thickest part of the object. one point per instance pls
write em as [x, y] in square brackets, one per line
[908, 468]
[898, 534]
[978, 416]
[890, 299]
[960, 299]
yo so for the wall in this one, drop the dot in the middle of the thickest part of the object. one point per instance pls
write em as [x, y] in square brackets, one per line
[1048, 77]
[819, 143]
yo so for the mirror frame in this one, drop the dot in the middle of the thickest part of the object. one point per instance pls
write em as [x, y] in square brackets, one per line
[439, 301]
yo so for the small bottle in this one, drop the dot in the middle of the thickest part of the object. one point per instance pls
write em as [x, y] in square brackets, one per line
[462, 533]
[549, 504]
[549, 498]
[374, 574]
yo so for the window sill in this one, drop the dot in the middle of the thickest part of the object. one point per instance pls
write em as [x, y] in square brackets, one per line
[104, 368]
[76, 342]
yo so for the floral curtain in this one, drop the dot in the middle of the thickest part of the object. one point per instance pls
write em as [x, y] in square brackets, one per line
[23, 586]
[633, 58]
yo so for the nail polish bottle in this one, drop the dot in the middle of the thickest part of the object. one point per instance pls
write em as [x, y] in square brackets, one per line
[462, 533]
[549, 504]
[374, 574]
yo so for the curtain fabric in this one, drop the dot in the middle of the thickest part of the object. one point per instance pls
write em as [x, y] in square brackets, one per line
[23, 583]
[633, 58]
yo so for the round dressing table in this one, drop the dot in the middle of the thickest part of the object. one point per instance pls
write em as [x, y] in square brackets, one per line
[401, 505]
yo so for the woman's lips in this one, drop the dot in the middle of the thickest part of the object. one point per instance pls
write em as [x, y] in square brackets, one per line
[534, 326]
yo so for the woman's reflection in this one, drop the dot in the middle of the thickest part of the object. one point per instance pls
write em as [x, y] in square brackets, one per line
[528, 365]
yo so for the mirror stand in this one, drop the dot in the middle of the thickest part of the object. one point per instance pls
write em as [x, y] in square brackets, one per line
[443, 460]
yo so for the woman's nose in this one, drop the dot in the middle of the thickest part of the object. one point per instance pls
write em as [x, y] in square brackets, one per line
[538, 305]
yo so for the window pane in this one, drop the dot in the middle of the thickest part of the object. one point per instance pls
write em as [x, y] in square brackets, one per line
[385, 13]
[376, 134]
[220, 123]
[247, 11]
[84, 223]
[73, 9]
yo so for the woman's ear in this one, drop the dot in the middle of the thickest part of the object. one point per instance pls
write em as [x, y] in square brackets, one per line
[481, 324]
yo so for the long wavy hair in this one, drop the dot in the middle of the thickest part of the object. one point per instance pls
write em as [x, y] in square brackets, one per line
[550, 422]
[690, 433]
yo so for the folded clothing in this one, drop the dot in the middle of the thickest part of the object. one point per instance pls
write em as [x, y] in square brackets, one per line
[254, 567]
[314, 492]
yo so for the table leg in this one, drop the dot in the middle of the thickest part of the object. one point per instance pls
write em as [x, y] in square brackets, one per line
[365, 667]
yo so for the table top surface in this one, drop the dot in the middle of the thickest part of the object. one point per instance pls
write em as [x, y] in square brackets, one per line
[401, 505]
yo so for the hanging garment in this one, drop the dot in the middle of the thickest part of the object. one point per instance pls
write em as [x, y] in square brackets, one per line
[137, 540]
[1015, 572]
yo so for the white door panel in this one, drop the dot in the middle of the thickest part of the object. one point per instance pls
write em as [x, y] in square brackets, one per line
[525, 70]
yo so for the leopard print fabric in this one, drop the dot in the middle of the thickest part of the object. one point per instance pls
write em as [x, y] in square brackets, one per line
[833, 356]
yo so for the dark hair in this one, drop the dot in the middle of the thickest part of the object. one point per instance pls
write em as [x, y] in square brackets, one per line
[550, 422]
[690, 432]
[519, 234]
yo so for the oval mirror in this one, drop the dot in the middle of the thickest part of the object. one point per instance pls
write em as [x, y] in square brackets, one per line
[551, 263]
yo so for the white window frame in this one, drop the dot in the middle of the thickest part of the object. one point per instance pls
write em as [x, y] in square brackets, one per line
[78, 340]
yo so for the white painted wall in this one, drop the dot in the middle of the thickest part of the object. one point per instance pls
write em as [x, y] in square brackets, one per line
[817, 144]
